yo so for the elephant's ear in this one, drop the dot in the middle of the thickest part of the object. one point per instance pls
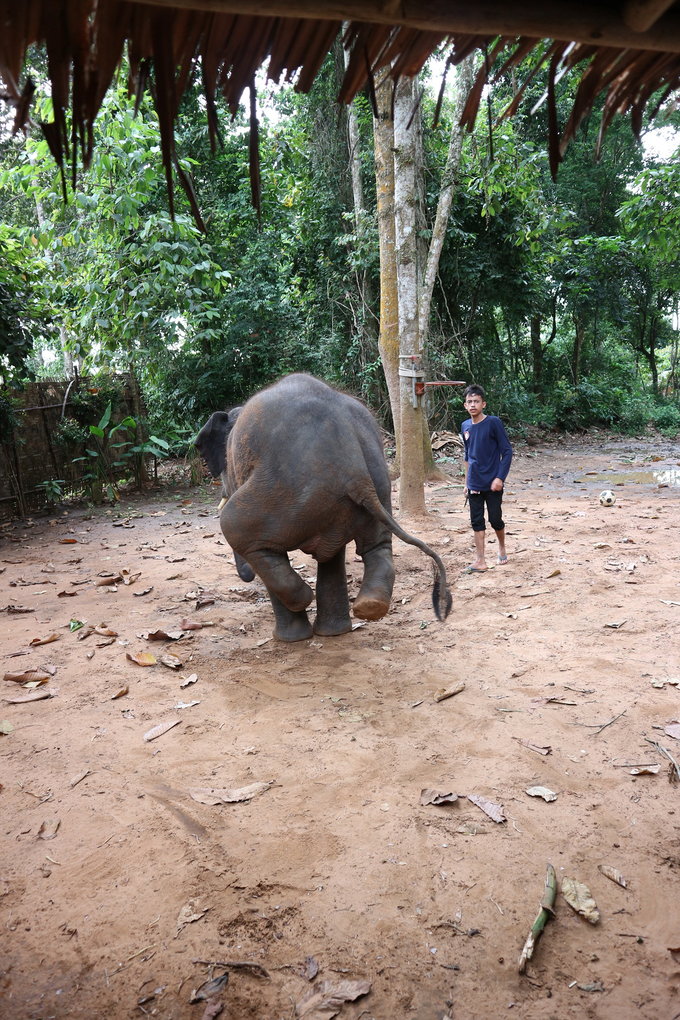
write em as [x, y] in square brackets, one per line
[211, 441]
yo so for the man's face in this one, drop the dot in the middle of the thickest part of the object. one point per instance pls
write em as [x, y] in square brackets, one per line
[474, 405]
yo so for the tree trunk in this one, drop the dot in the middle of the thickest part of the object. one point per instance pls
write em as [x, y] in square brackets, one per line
[578, 349]
[446, 193]
[388, 337]
[537, 354]
[367, 324]
[412, 498]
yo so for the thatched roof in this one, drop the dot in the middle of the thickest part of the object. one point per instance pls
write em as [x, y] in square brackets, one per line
[627, 49]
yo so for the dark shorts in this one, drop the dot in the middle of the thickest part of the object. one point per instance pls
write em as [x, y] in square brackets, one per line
[493, 502]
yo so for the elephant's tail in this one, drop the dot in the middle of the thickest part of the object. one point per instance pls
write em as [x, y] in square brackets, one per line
[441, 596]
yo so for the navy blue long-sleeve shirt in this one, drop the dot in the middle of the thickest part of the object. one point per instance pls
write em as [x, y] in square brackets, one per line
[487, 451]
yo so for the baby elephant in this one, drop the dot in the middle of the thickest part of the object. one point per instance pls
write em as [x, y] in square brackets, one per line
[302, 467]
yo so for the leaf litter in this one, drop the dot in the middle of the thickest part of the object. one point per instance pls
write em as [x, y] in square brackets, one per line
[580, 899]
[494, 811]
[325, 999]
[212, 796]
[613, 874]
[160, 729]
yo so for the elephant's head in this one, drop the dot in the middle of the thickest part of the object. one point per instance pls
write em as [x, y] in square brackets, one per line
[211, 441]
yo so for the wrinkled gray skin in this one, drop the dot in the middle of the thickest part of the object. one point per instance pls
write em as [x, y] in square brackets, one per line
[302, 467]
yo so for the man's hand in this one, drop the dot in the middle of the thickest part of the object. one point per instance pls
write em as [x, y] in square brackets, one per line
[497, 485]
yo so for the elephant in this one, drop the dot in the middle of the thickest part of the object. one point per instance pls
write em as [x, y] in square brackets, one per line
[302, 467]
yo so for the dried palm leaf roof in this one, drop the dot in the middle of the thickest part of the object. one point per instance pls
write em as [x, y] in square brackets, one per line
[627, 49]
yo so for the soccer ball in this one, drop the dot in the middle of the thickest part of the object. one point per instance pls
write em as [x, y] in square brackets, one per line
[607, 498]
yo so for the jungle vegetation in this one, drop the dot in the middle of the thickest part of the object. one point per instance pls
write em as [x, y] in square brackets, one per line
[560, 297]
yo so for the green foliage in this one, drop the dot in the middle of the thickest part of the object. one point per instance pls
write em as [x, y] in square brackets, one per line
[87, 402]
[557, 303]
[666, 418]
[69, 433]
[53, 489]
[8, 416]
[112, 456]
[23, 313]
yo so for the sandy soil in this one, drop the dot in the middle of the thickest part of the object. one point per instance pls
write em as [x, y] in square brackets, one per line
[333, 876]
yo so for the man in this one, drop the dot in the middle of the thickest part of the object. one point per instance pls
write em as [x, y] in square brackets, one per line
[488, 456]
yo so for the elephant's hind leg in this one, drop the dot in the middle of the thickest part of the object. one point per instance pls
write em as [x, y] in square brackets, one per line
[332, 601]
[375, 594]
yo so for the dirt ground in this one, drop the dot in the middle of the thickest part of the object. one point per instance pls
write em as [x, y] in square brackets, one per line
[333, 880]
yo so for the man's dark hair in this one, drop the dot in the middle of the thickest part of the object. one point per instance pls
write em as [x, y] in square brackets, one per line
[475, 391]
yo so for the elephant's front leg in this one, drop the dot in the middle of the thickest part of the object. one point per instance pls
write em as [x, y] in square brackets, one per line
[375, 594]
[332, 600]
[290, 626]
[289, 594]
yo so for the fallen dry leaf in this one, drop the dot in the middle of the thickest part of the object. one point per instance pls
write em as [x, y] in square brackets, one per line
[79, 778]
[45, 640]
[673, 729]
[448, 692]
[437, 797]
[121, 693]
[326, 999]
[161, 635]
[208, 990]
[645, 770]
[579, 898]
[160, 729]
[171, 661]
[142, 658]
[49, 828]
[114, 579]
[29, 676]
[24, 699]
[6, 727]
[105, 631]
[189, 913]
[542, 791]
[187, 680]
[144, 592]
[212, 797]
[613, 874]
[309, 969]
[494, 811]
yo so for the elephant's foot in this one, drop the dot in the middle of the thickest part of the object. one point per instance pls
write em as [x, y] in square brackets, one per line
[373, 600]
[332, 628]
[290, 626]
[299, 629]
[332, 601]
[370, 607]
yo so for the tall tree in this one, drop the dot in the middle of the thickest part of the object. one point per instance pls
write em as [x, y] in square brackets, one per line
[412, 468]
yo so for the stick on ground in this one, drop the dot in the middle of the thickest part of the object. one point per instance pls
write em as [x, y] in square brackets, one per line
[544, 915]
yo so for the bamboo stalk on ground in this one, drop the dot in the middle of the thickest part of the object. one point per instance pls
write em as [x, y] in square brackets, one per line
[544, 915]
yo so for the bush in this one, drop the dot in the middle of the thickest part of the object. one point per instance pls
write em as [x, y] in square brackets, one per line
[88, 403]
[70, 433]
[666, 418]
